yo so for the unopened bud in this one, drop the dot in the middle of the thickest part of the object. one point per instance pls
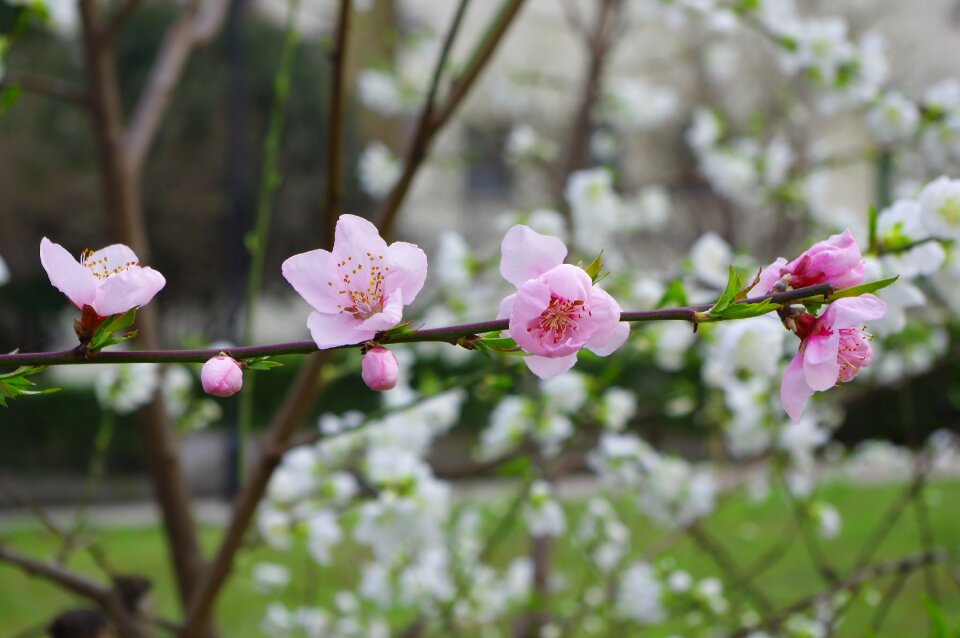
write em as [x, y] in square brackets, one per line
[379, 369]
[221, 376]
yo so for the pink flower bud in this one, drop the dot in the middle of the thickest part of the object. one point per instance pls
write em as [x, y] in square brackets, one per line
[221, 376]
[379, 369]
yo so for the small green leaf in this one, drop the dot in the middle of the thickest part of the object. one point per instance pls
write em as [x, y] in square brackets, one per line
[745, 310]
[504, 345]
[863, 289]
[728, 295]
[103, 336]
[261, 363]
[938, 621]
[15, 384]
[397, 331]
[872, 246]
[595, 268]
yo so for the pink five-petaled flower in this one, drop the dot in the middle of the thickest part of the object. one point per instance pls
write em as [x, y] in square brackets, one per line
[836, 261]
[379, 369]
[360, 287]
[221, 376]
[833, 348]
[110, 280]
[557, 309]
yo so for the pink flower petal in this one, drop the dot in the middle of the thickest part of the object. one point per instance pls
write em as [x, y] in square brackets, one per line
[611, 332]
[127, 289]
[569, 282]
[546, 367]
[330, 331]
[114, 255]
[849, 312]
[407, 266]
[820, 365]
[67, 275]
[529, 302]
[388, 317]
[506, 306]
[794, 390]
[526, 254]
[313, 275]
[769, 276]
[355, 237]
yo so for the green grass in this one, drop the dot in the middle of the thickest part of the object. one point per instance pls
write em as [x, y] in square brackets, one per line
[746, 529]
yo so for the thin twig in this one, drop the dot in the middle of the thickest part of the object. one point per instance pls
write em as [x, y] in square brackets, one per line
[857, 577]
[50, 87]
[424, 131]
[335, 132]
[119, 19]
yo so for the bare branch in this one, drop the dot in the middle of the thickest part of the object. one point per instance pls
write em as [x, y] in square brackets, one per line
[198, 21]
[119, 19]
[432, 119]
[73, 582]
[338, 60]
[50, 87]
[855, 579]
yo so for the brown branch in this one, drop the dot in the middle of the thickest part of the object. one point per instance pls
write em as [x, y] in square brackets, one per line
[66, 579]
[855, 579]
[725, 562]
[50, 87]
[338, 60]
[285, 423]
[433, 118]
[600, 44]
[122, 203]
[197, 22]
[66, 539]
[119, 19]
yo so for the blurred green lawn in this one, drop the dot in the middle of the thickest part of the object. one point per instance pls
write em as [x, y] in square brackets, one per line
[747, 529]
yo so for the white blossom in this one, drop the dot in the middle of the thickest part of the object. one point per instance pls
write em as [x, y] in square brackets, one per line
[378, 170]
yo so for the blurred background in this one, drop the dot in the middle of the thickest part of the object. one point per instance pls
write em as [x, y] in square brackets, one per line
[701, 135]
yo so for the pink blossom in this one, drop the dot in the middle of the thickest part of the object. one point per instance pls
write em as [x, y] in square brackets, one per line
[360, 287]
[557, 309]
[833, 349]
[836, 261]
[379, 369]
[221, 376]
[110, 280]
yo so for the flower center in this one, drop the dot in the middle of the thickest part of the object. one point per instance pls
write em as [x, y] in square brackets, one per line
[560, 316]
[854, 352]
[102, 268]
[362, 285]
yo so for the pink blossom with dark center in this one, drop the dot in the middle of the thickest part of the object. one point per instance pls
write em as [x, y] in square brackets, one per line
[836, 261]
[557, 309]
[834, 347]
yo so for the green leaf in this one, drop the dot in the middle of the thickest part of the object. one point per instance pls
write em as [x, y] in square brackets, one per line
[863, 289]
[103, 337]
[397, 331]
[938, 621]
[728, 295]
[872, 245]
[261, 363]
[16, 384]
[744, 310]
[504, 345]
[595, 268]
